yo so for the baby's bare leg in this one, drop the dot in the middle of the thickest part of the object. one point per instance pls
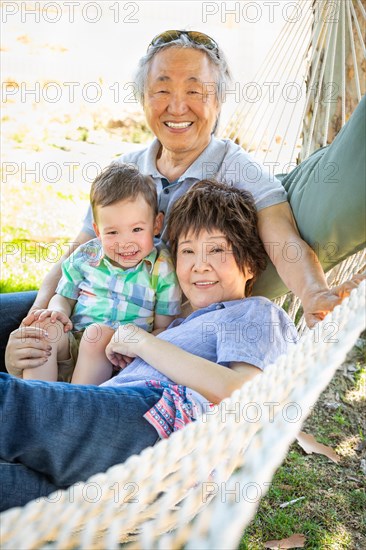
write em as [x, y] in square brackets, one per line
[92, 366]
[59, 342]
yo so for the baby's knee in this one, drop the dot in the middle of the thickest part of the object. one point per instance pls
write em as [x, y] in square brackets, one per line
[55, 330]
[95, 338]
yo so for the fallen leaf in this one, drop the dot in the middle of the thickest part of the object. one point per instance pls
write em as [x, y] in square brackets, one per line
[295, 541]
[311, 445]
[290, 502]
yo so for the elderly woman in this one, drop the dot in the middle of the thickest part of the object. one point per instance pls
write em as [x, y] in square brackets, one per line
[179, 82]
[57, 434]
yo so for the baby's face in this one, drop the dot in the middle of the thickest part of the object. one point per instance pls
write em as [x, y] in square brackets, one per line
[126, 230]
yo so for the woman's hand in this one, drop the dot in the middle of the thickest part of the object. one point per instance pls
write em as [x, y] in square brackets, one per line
[122, 362]
[125, 344]
[27, 347]
[319, 304]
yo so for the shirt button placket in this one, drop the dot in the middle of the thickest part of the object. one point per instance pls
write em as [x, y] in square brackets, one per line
[164, 200]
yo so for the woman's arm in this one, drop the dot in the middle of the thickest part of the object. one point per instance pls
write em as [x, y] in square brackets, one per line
[211, 380]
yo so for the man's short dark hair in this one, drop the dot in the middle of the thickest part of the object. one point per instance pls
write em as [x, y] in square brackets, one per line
[118, 182]
[210, 205]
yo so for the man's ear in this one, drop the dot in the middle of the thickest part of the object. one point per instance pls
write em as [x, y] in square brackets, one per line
[158, 225]
[96, 230]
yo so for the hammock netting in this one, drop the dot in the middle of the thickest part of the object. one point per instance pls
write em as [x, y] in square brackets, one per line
[183, 492]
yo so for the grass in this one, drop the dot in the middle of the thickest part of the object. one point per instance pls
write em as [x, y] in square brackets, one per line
[26, 262]
[332, 514]
[38, 220]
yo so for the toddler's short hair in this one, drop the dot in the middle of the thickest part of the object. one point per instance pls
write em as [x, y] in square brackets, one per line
[119, 182]
[210, 205]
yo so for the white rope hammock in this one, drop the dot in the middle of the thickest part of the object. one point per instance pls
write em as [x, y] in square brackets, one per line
[304, 58]
[178, 488]
[175, 479]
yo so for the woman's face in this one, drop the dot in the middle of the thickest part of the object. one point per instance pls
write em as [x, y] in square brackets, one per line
[180, 103]
[207, 270]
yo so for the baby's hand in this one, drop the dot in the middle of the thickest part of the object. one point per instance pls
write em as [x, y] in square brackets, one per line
[54, 315]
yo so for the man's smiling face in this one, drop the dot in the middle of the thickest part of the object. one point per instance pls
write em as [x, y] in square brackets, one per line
[180, 102]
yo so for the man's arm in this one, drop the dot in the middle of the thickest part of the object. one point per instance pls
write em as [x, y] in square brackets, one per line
[27, 346]
[50, 282]
[297, 264]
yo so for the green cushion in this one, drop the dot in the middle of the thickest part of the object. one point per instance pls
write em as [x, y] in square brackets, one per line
[327, 193]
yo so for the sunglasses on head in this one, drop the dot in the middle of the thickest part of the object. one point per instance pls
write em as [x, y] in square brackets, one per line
[194, 36]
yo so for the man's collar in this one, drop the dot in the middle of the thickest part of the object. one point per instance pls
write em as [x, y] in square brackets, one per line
[150, 167]
[214, 153]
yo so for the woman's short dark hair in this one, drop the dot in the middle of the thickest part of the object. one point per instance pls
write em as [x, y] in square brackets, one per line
[210, 205]
[118, 182]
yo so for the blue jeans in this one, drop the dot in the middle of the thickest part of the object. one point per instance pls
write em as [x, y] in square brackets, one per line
[54, 434]
[14, 306]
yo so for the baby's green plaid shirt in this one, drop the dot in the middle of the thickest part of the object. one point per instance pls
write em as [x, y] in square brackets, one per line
[111, 295]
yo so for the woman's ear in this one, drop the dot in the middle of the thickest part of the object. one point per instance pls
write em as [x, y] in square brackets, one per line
[158, 225]
[248, 273]
[96, 230]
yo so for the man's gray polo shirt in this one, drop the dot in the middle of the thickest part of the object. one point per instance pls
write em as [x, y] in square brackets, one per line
[222, 160]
